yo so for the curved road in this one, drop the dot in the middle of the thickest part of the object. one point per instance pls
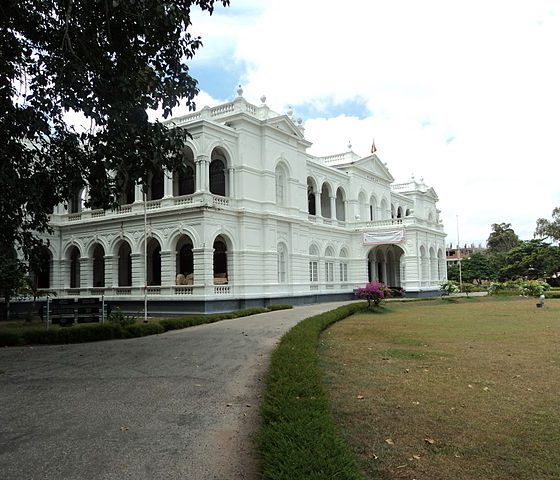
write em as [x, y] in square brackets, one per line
[181, 405]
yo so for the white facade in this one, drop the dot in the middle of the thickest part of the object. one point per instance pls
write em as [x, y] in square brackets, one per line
[253, 217]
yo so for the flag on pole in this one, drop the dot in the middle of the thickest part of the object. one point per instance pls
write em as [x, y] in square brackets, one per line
[373, 149]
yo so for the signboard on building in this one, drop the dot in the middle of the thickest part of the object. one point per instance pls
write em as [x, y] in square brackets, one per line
[383, 237]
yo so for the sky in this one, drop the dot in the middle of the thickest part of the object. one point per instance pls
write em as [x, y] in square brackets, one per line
[464, 94]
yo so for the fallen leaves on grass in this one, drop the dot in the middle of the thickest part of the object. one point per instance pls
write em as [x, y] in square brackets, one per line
[389, 441]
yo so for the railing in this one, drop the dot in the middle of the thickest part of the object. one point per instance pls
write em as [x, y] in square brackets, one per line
[312, 218]
[97, 213]
[314, 286]
[97, 291]
[124, 209]
[183, 290]
[222, 290]
[153, 204]
[123, 290]
[183, 200]
[72, 217]
[74, 291]
[153, 290]
[220, 201]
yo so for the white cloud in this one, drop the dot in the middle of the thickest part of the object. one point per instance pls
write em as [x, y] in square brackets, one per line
[464, 94]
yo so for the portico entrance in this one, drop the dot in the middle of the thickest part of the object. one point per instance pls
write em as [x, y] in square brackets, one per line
[384, 265]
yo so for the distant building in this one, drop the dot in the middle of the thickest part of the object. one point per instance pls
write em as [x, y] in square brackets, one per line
[253, 219]
[453, 254]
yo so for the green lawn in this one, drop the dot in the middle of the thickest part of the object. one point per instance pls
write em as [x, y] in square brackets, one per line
[466, 389]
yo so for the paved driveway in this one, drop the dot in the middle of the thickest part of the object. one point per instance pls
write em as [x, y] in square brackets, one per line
[182, 405]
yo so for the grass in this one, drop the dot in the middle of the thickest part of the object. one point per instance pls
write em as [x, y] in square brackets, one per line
[438, 390]
[298, 439]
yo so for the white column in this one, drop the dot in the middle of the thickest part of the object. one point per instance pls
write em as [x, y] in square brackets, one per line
[109, 263]
[138, 275]
[231, 181]
[86, 273]
[333, 207]
[167, 267]
[167, 184]
[204, 173]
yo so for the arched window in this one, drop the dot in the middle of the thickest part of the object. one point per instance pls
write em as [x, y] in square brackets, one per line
[74, 267]
[155, 191]
[98, 266]
[340, 207]
[343, 265]
[362, 206]
[311, 197]
[372, 208]
[220, 261]
[280, 186]
[218, 174]
[75, 202]
[326, 201]
[384, 210]
[186, 180]
[313, 264]
[124, 265]
[42, 269]
[154, 262]
[329, 265]
[282, 263]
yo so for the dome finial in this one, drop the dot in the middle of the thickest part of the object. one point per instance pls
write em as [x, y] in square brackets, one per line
[239, 91]
[263, 99]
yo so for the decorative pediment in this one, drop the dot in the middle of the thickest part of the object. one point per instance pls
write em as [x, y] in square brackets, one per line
[373, 165]
[284, 124]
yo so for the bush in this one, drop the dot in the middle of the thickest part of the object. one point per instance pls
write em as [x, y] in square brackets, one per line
[373, 292]
[449, 286]
[119, 318]
[75, 334]
[397, 292]
[142, 329]
[249, 311]
[10, 339]
[527, 288]
[279, 306]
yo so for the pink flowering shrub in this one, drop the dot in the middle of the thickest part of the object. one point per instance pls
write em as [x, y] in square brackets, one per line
[373, 292]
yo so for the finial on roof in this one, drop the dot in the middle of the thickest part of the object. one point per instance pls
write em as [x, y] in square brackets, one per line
[239, 91]
[290, 112]
[299, 121]
[349, 145]
[263, 99]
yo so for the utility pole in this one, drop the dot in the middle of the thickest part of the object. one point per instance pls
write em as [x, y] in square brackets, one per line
[459, 257]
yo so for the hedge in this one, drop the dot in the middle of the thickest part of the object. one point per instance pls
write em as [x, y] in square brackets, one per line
[298, 438]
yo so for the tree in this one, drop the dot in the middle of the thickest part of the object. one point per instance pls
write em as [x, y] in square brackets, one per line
[531, 259]
[12, 279]
[502, 238]
[477, 267]
[373, 292]
[549, 229]
[108, 60]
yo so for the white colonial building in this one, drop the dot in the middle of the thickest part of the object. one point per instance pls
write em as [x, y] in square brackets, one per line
[253, 219]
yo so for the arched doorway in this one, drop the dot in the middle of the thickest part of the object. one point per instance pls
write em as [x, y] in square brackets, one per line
[184, 261]
[153, 253]
[384, 265]
[74, 257]
[98, 266]
[220, 261]
[124, 264]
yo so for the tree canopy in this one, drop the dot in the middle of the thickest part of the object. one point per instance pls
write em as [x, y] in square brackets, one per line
[107, 60]
[502, 238]
[549, 228]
